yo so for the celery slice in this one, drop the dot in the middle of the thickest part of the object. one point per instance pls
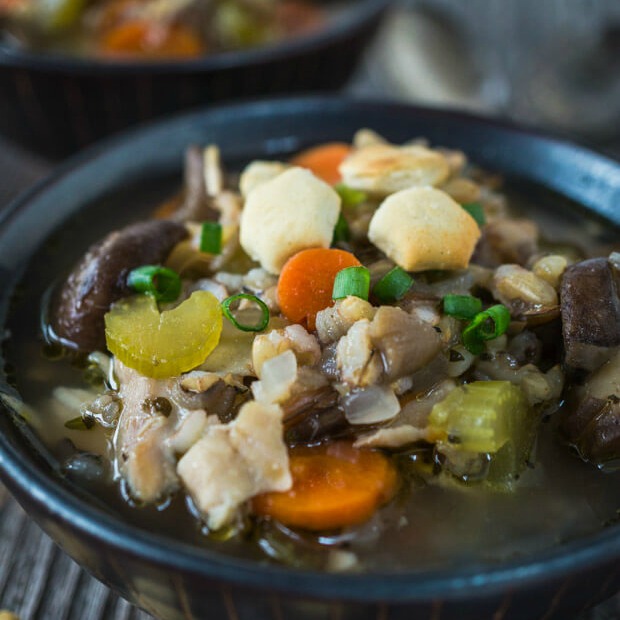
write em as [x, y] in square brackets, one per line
[488, 417]
[480, 416]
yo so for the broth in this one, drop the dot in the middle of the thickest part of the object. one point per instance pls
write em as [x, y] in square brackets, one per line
[426, 526]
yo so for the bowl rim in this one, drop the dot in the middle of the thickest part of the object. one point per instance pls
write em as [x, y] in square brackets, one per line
[355, 17]
[31, 485]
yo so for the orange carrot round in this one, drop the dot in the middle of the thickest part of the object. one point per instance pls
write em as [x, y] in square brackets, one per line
[149, 40]
[334, 486]
[306, 282]
[324, 160]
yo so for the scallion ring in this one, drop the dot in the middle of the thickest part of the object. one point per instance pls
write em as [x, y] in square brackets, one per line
[341, 230]
[160, 282]
[476, 210]
[393, 286]
[350, 197]
[464, 307]
[228, 313]
[211, 238]
[486, 325]
[352, 281]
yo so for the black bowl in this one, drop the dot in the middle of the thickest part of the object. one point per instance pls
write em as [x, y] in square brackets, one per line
[174, 580]
[56, 104]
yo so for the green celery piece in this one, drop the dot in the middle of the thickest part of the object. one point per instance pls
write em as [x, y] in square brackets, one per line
[481, 416]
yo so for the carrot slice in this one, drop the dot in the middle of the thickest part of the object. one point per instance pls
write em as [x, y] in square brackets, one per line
[324, 160]
[149, 40]
[334, 486]
[306, 282]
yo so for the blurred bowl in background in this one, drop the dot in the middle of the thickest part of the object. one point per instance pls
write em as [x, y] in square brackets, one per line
[55, 104]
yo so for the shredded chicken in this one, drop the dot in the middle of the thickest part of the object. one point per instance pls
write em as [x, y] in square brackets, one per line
[232, 463]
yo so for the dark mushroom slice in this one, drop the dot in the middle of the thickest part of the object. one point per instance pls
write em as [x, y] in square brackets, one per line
[591, 415]
[203, 181]
[590, 307]
[405, 342]
[99, 279]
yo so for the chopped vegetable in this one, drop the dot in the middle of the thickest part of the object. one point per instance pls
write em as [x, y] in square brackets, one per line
[80, 423]
[353, 281]
[341, 231]
[162, 345]
[479, 416]
[393, 286]
[160, 282]
[324, 160]
[489, 417]
[350, 197]
[149, 39]
[307, 280]
[260, 325]
[334, 486]
[211, 238]
[476, 210]
[486, 325]
[464, 307]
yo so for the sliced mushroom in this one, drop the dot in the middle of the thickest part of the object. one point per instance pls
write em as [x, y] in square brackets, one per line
[99, 279]
[202, 167]
[590, 305]
[591, 415]
[406, 343]
[507, 241]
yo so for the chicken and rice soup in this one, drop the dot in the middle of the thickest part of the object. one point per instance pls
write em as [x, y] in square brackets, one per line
[361, 356]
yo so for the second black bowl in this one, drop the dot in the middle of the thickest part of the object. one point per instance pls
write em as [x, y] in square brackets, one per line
[57, 104]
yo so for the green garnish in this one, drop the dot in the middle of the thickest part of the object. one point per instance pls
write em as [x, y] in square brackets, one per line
[228, 313]
[486, 325]
[341, 230]
[160, 282]
[393, 286]
[352, 281]
[464, 307]
[350, 197]
[211, 238]
[476, 211]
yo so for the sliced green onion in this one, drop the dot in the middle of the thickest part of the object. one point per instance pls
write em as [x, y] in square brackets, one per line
[352, 281]
[463, 307]
[228, 313]
[160, 282]
[476, 211]
[211, 238]
[80, 423]
[341, 230]
[350, 197]
[486, 325]
[393, 286]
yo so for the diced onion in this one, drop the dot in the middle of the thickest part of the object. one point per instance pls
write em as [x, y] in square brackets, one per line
[371, 405]
[277, 377]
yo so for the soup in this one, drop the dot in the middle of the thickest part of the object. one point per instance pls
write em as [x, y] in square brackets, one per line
[344, 402]
[163, 29]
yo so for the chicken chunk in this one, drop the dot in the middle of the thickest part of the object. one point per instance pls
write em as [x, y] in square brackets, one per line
[234, 462]
[423, 228]
[292, 212]
[145, 460]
